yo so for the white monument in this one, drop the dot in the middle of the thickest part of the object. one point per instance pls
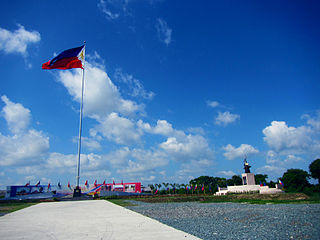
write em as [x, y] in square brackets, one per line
[248, 184]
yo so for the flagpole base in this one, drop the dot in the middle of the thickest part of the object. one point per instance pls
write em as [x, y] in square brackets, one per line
[77, 192]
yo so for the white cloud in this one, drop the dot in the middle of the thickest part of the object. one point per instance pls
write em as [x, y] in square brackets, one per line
[100, 174]
[143, 162]
[278, 163]
[227, 173]
[104, 6]
[118, 158]
[101, 96]
[17, 41]
[196, 130]
[164, 32]
[26, 146]
[272, 157]
[162, 128]
[134, 85]
[17, 116]
[314, 122]
[274, 171]
[290, 145]
[68, 162]
[282, 138]
[188, 148]
[226, 118]
[213, 104]
[118, 129]
[89, 143]
[231, 152]
[193, 169]
[114, 9]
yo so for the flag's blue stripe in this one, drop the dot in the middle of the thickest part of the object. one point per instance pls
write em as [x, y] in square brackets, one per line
[73, 52]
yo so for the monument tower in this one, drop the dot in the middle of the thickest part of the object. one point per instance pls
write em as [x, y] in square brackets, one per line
[247, 176]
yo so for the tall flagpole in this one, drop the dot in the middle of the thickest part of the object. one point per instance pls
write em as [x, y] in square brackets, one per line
[77, 191]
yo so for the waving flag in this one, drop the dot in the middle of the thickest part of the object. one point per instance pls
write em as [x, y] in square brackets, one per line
[104, 183]
[27, 184]
[38, 183]
[59, 184]
[86, 183]
[71, 58]
[202, 187]
[95, 183]
[156, 191]
[113, 183]
[280, 182]
[49, 186]
[69, 185]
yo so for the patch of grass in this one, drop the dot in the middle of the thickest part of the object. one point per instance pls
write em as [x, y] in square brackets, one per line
[9, 207]
[285, 198]
[121, 202]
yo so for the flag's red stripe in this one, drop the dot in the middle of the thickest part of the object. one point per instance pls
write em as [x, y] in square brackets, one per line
[65, 63]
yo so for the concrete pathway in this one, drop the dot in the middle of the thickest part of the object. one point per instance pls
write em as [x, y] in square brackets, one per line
[96, 219]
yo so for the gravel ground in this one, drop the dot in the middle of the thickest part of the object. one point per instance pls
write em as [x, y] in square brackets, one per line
[237, 221]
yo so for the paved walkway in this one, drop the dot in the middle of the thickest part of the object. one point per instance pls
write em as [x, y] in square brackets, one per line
[96, 219]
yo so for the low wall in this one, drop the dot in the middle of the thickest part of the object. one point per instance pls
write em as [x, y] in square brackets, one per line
[248, 189]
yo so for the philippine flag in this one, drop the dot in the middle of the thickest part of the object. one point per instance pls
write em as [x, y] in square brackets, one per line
[71, 58]
[280, 182]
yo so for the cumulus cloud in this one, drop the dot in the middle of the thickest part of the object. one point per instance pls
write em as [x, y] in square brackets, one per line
[290, 145]
[118, 129]
[164, 31]
[18, 40]
[25, 146]
[89, 143]
[187, 148]
[162, 127]
[282, 138]
[193, 169]
[314, 122]
[232, 152]
[227, 173]
[101, 96]
[143, 162]
[273, 170]
[226, 118]
[17, 116]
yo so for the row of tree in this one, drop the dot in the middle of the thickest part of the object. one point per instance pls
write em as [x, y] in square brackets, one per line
[294, 180]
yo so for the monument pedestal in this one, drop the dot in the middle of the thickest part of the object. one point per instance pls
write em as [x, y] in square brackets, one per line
[248, 179]
[77, 192]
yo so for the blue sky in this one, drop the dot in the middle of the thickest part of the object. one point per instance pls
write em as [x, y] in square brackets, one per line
[173, 89]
